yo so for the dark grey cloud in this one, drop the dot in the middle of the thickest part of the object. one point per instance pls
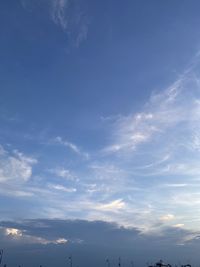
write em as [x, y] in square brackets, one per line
[91, 242]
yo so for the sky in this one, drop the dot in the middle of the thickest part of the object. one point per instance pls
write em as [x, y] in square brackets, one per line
[99, 132]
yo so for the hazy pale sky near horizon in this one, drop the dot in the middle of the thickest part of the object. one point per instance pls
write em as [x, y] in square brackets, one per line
[100, 114]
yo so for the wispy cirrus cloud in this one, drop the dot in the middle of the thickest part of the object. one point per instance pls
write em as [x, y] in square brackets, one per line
[114, 205]
[64, 173]
[162, 112]
[147, 172]
[74, 148]
[70, 16]
[58, 12]
[167, 125]
[62, 188]
[158, 151]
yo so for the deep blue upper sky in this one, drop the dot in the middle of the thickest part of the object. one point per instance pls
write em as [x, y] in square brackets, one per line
[99, 115]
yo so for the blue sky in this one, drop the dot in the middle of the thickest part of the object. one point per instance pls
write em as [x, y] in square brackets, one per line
[99, 113]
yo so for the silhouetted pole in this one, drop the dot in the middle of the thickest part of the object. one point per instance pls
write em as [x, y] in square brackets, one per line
[1, 255]
[70, 261]
[132, 265]
[108, 262]
[119, 263]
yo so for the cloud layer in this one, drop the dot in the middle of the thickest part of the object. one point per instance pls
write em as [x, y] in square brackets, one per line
[93, 242]
[145, 176]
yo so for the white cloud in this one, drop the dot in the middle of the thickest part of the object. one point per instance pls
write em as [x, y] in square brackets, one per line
[132, 131]
[58, 12]
[164, 112]
[2, 151]
[167, 217]
[114, 205]
[61, 241]
[172, 185]
[165, 132]
[13, 232]
[71, 146]
[14, 190]
[178, 225]
[64, 173]
[150, 169]
[15, 166]
[70, 16]
[21, 236]
[62, 188]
